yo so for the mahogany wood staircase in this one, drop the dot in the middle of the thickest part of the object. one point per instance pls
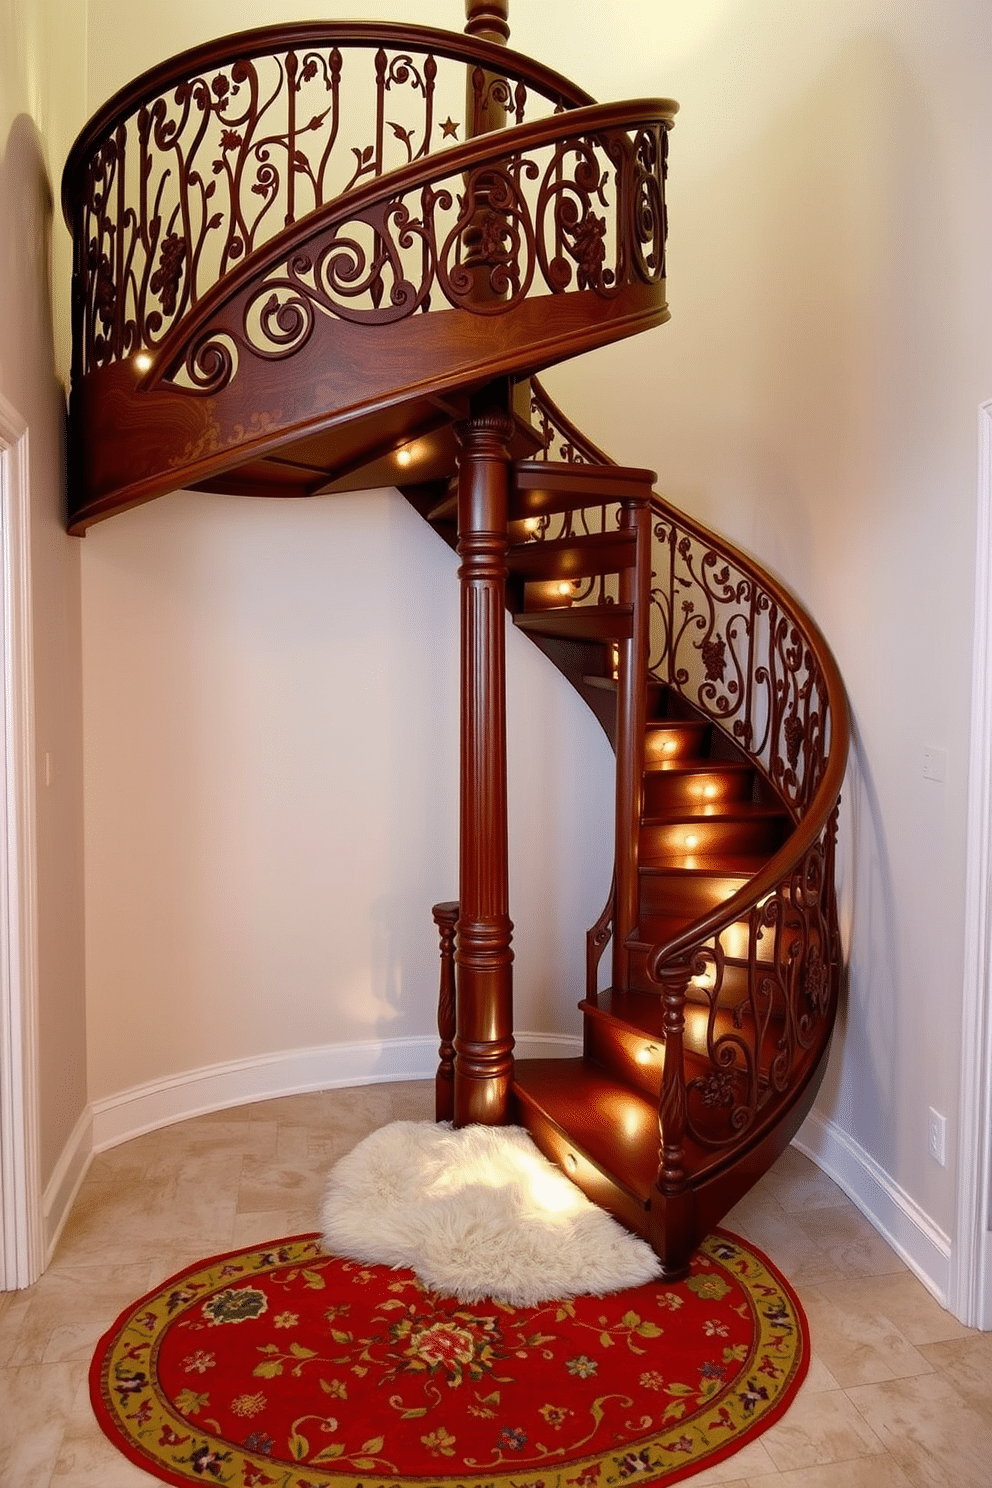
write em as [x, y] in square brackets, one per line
[292, 277]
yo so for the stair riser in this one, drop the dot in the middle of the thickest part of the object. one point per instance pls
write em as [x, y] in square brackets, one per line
[669, 842]
[579, 622]
[685, 895]
[734, 944]
[629, 1057]
[734, 988]
[665, 743]
[550, 594]
[680, 790]
[594, 1183]
[638, 1060]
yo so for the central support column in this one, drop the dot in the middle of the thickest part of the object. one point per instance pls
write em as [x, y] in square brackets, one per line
[484, 1040]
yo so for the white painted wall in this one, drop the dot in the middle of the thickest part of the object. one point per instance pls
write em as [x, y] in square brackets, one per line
[814, 397]
[40, 82]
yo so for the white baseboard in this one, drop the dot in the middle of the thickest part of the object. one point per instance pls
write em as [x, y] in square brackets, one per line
[66, 1181]
[330, 1067]
[898, 1218]
[107, 1123]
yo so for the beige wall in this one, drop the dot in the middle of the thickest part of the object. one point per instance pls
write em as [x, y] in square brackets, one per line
[272, 775]
[814, 397]
[39, 75]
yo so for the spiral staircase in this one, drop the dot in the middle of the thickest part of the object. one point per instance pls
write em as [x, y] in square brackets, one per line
[335, 256]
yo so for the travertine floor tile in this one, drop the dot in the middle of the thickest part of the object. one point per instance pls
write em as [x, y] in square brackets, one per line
[799, 1186]
[87, 1459]
[843, 1233]
[856, 1340]
[874, 1472]
[750, 1460]
[936, 1440]
[258, 1228]
[903, 1300]
[967, 1364]
[36, 1403]
[62, 1318]
[898, 1394]
[820, 1427]
[785, 1243]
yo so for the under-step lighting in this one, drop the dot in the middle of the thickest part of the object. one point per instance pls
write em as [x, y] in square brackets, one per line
[404, 457]
[531, 524]
[691, 840]
[143, 361]
[566, 589]
[571, 1162]
[710, 791]
[648, 1053]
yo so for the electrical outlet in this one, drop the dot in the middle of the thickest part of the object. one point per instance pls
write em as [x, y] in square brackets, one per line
[937, 1137]
[934, 763]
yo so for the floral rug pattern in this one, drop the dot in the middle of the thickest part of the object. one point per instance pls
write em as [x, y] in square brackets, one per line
[285, 1367]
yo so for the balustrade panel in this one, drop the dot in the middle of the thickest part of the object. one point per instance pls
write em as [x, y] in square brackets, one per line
[741, 651]
[182, 182]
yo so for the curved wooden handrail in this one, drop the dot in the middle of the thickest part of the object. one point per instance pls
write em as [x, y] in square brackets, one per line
[267, 40]
[815, 818]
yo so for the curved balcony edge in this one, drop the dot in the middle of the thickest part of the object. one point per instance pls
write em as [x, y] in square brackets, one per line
[139, 445]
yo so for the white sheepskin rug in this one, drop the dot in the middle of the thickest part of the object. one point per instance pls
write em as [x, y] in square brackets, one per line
[476, 1213]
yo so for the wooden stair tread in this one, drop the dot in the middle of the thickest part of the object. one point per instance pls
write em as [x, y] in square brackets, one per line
[574, 557]
[586, 622]
[642, 1012]
[700, 765]
[665, 929]
[716, 811]
[616, 481]
[709, 865]
[588, 1107]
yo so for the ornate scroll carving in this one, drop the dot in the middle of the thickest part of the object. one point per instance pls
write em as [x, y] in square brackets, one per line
[191, 174]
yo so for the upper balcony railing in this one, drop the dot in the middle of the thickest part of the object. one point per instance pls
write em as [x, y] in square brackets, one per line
[199, 163]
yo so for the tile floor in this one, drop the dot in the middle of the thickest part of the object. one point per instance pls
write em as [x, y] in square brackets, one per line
[898, 1394]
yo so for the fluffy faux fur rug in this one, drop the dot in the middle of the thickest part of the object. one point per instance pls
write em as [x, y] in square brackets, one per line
[476, 1213]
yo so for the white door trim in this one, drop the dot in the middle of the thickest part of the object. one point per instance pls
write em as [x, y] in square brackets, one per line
[971, 1285]
[21, 1230]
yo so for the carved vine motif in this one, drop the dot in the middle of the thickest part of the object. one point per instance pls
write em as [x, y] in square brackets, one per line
[196, 178]
[757, 1053]
[479, 242]
[717, 634]
[722, 639]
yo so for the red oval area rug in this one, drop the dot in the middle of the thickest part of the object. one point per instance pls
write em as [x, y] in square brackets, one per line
[286, 1366]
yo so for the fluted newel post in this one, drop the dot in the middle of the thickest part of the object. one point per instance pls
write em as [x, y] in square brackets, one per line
[445, 918]
[672, 1227]
[484, 1037]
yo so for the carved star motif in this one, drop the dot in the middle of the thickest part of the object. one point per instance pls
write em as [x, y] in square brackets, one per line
[449, 129]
